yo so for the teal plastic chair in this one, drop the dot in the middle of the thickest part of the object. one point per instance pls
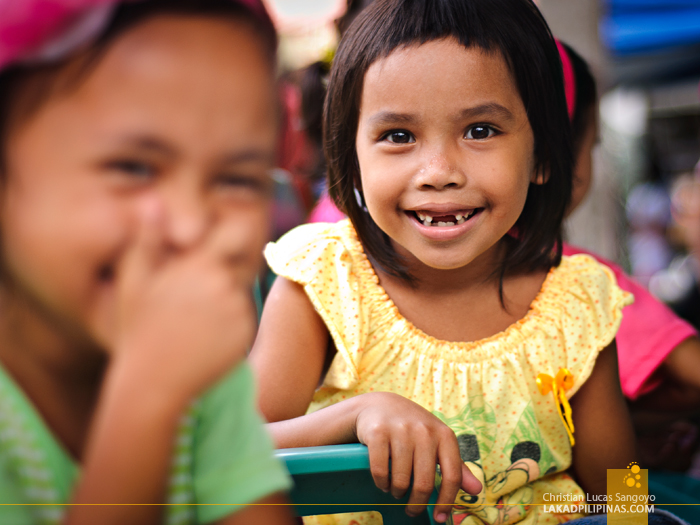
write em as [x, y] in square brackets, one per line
[336, 479]
[676, 493]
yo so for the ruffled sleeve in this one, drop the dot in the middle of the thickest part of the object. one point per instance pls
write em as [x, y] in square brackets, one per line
[317, 257]
[590, 302]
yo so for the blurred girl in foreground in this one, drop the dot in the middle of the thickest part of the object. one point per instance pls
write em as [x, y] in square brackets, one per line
[136, 144]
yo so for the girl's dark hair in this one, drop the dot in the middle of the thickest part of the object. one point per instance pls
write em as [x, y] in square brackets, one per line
[127, 15]
[513, 28]
[586, 96]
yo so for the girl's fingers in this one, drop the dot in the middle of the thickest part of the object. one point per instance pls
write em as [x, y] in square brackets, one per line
[401, 465]
[136, 269]
[230, 245]
[424, 462]
[470, 483]
[452, 471]
[226, 237]
[379, 463]
[147, 249]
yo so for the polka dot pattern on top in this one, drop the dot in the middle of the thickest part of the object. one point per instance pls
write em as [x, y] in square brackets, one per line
[511, 436]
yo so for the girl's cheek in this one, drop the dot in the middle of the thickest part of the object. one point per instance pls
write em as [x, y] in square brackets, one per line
[112, 231]
[56, 247]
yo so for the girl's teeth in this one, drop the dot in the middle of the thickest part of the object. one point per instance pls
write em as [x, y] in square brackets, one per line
[427, 220]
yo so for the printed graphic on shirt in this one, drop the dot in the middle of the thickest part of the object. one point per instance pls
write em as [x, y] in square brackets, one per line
[476, 418]
[507, 495]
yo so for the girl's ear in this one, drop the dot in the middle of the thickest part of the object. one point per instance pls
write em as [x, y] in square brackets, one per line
[539, 176]
[357, 190]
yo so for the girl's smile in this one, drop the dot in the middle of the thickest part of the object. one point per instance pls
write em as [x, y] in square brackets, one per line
[443, 222]
[445, 150]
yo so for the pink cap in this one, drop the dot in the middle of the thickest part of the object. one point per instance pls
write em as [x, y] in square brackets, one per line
[45, 30]
[569, 79]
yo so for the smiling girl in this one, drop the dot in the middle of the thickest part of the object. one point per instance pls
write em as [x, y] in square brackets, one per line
[137, 141]
[440, 324]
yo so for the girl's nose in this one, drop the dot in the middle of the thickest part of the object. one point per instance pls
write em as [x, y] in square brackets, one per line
[188, 218]
[440, 171]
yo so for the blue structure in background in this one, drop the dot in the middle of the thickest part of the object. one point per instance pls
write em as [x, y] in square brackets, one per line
[642, 31]
[639, 26]
[653, 39]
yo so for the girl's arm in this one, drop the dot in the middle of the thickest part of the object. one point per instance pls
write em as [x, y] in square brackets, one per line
[289, 357]
[130, 458]
[679, 393]
[129, 452]
[603, 429]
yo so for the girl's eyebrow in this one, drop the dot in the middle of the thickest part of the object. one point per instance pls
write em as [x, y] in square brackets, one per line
[250, 155]
[152, 144]
[384, 118]
[492, 109]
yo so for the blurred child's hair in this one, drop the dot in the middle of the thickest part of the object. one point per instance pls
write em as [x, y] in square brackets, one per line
[513, 28]
[313, 92]
[585, 98]
[23, 87]
[353, 9]
[313, 85]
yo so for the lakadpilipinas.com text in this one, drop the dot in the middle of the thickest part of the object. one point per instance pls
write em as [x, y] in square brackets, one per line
[598, 504]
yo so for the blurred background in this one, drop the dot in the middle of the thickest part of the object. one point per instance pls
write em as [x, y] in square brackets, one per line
[643, 210]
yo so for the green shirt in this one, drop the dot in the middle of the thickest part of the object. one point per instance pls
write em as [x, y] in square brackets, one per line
[223, 457]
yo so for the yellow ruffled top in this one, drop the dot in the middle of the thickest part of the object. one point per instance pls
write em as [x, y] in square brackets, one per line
[512, 436]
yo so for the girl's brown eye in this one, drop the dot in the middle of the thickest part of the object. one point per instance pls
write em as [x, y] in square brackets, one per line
[479, 132]
[399, 137]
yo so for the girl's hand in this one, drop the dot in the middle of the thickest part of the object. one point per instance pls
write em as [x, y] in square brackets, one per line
[288, 359]
[397, 429]
[184, 316]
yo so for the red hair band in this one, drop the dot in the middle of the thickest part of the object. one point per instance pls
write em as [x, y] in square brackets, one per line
[569, 79]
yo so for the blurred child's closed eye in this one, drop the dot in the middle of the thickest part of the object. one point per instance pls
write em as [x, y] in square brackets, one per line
[251, 186]
[137, 170]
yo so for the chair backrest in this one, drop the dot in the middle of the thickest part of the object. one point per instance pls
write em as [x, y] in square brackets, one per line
[676, 493]
[336, 479]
